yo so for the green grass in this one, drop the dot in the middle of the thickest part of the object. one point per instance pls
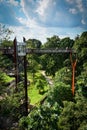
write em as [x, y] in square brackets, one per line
[33, 92]
[5, 78]
[34, 95]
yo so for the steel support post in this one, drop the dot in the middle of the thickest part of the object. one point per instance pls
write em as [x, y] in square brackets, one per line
[25, 85]
[15, 62]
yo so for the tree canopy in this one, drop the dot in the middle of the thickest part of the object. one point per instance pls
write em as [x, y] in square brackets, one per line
[59, 110]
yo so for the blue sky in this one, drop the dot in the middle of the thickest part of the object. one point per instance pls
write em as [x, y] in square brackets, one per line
[40, 19]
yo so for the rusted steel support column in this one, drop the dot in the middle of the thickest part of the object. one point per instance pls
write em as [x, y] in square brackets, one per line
[25, 85]
[73, 64]
[15, 62]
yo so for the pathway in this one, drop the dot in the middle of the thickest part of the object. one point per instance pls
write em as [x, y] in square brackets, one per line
[49, 80]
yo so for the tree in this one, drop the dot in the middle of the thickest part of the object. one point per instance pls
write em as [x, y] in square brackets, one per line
[42, 118]
[81, 48]
[66, 43]
[33, 59]
[40, 86]
[73, 116]
[33, 43]
[64, 75]
[7, 43]
[50, 61]
[6, 63]
[53, 62]
[60, 92]
[52, 42]
[4, 32]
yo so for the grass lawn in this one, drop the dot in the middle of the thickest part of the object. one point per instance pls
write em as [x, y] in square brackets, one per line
[5, 78]
[34, 95]
[33, 92]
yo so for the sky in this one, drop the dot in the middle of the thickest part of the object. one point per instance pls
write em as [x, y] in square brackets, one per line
[40, 19]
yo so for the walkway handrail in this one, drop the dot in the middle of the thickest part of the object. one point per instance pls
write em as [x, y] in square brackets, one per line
[10, 50]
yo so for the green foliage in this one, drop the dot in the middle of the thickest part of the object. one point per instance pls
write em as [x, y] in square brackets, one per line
[33, 61]
[82, 80]
[74, 114]
[23, 123]
[33, 94]
[46, 116]
[33, 43]
[60, 110]
[66, 117]
[4, 78]
[52, 42]
[43, 118]
[9, 106]
[40, 85]
[61, 92]
[83, 126]
[4, 32]
[53, 62]
[7, 43]
[38, 88]
[66, 42]
[81, 49]
[63, 75]
[4, 81]
[6, 62]
[49, 61]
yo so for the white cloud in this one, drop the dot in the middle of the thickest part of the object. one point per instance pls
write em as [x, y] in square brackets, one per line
[73, 10]
[45, 9]
[13, 2]
[41, 33]
[1, 0]
[24, 7]
[40, 11]
[29, 23]
[70, 1]
[36, 32]
[42, 7]
[49, 13]
[80, 5]
[83, 22]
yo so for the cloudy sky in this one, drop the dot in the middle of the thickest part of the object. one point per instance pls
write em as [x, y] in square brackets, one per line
[40, 19]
